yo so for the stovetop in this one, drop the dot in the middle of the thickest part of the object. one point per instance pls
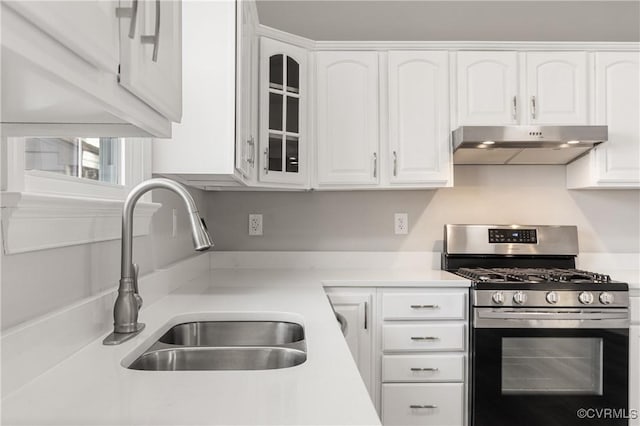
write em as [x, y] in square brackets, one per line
[539, 279]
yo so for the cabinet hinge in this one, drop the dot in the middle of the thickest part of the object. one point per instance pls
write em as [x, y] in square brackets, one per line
[118, 75]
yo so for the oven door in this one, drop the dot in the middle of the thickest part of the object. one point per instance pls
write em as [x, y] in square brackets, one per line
[544, 368]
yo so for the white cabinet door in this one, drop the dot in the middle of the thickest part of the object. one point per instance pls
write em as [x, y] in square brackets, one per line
[88, 28]
[151, 61]
[487, 88]
[617, 102]
[355, 308]
[419, 118]
[246, 89]
[347, 118]
[556, 87]
[283, 98]
[203, 143]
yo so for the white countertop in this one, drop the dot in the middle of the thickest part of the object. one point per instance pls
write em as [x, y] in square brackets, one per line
[91, 387]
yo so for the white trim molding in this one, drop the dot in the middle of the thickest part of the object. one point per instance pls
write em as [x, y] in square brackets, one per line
[37, 222]
[317, 45]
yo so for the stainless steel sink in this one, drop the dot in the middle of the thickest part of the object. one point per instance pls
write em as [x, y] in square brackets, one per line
[200, 358]
[233, 333]
[226, 345]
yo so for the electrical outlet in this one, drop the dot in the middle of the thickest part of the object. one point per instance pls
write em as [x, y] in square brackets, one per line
[255, 224]
[401, 223]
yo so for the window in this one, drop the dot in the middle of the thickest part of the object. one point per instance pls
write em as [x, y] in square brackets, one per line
[97, 159]
[62, 191]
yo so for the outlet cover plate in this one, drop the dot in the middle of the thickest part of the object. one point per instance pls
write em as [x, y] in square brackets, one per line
[255, 224]
[401, 223]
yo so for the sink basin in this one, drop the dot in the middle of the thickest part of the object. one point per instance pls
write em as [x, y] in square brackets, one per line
[199, 358]
[233, 333]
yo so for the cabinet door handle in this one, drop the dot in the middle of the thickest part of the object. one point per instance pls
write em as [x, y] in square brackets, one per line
[129, 12]
[533, 107]
[395, 163]
[252, 154]
[375, 164]
[515, 108]
[425, 306]
[423, 406]
[155, 38]
[424, 338]
[424, 369]
[365, 314]
[266, 161]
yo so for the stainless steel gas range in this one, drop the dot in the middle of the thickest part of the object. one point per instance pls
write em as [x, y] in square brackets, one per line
[549, 342]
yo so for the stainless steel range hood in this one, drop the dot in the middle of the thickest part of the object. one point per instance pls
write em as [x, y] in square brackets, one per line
[524, 144]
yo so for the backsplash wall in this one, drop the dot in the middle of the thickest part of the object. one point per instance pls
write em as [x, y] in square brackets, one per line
[607, 220]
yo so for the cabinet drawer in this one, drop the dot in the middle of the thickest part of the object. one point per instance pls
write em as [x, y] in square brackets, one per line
[409, 306]
[440, 404]
[423, 337]
[423, 368]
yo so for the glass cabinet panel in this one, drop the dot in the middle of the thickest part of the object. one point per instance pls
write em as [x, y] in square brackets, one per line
[284, 114]
[292, 114]
[293, 76]
[275, 153]
[292, 154]
[275, 111]
[276, 71]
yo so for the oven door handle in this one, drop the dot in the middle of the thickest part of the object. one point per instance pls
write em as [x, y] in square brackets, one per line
[553, 315]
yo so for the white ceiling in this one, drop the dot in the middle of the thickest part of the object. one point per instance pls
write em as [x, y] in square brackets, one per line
[396, 20]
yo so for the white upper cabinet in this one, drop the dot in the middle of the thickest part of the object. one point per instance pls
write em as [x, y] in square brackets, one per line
[419, 142]
[89, 28]
[347, 118]
[246, 90]
[283, 98]
[615, 163]
[65, 66]
[201, 150]
[556, 88]
[151, 54]
[487, 88]
[509, 88]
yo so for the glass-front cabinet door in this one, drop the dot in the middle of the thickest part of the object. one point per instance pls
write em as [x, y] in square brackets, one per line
[282, 113]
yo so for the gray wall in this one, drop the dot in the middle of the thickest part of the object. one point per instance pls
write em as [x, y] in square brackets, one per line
[608, 220]
[39, 282]
[455, 20]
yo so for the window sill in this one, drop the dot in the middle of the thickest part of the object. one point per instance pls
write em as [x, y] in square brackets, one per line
[33, 222]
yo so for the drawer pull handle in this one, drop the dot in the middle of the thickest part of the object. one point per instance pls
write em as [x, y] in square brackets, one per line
[424, 369]
[424, 338]
[424, 406]
[425, 307]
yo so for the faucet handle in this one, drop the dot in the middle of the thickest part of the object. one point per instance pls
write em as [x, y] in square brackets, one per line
[136, 270]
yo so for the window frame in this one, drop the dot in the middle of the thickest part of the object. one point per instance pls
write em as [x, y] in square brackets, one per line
[44, 210]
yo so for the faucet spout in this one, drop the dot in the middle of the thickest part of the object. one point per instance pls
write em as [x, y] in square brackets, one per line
[128, 302]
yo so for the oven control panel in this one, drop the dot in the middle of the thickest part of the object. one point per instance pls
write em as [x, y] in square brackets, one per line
[510, 236]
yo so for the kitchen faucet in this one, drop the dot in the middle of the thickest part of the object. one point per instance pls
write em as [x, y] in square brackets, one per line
[128, 302]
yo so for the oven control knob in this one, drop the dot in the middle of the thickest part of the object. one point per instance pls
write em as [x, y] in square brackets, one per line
[552, 297]
[519, 297]
[606, 298]
[586, 298]
[498, 298]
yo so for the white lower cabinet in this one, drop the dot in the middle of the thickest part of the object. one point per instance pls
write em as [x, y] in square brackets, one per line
[354, 306]
[438, 404]
[423, 354]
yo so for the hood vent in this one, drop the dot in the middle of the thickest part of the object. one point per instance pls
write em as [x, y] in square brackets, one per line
[524, 144]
